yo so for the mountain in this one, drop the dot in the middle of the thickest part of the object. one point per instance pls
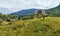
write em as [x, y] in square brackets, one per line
[32, 11]
[25, 12]
[5, 10]
[54, 11]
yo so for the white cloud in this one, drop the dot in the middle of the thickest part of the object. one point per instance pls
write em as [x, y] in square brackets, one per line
[26, 4]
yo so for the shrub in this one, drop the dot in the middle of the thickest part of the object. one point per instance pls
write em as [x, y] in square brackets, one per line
[27, 17]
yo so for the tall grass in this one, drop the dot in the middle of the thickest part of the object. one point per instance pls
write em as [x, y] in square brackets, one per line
[50, 26]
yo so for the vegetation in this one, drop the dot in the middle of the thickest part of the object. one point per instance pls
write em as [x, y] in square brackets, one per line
[12, 25]
[47, 24]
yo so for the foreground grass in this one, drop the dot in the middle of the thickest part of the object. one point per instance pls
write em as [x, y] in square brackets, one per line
[50, 26]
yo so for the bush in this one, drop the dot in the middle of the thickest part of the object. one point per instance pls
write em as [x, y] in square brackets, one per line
[39, 16]
[27, 17]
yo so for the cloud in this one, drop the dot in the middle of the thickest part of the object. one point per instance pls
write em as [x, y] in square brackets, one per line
[27, 4]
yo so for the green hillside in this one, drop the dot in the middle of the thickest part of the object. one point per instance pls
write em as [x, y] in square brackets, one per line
[54, 11]
[50, 26]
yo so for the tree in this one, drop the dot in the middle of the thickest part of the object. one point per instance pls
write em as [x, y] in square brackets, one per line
[44, 15]
[27, 17]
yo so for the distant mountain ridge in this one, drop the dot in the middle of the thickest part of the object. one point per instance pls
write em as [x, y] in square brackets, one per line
[32, 11]
[25, 12]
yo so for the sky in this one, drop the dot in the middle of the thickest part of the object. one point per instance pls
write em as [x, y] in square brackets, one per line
[16, 5]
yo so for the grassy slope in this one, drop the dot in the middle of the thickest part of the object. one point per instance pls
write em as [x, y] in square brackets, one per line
[34, 27]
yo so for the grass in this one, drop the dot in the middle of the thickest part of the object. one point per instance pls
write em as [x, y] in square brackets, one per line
[50, 26]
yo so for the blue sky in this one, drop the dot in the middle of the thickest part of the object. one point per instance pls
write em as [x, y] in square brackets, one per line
[16, 5]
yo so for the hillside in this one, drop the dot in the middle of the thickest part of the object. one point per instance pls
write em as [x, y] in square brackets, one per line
[34, 27]
[54, 11]
[13, 26]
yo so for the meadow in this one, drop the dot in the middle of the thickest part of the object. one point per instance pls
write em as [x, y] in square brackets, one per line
[50, 26]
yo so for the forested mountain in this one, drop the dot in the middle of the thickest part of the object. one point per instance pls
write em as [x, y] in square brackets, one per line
[54, 11]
